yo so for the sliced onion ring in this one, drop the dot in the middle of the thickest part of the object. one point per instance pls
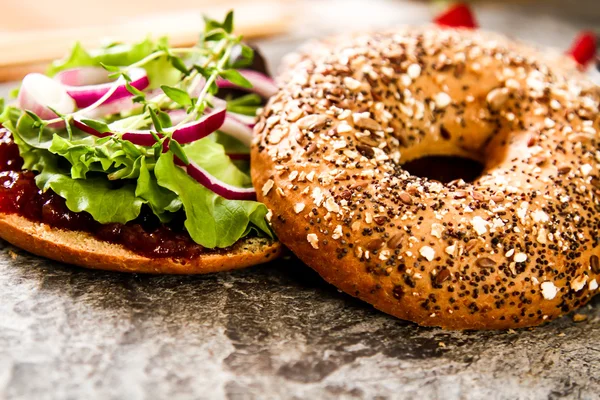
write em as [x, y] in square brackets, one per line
[187, 133]
[212, 183]
[88, 129]
[119, 106]
[244, 119]
[231, 126]
[39, 93]
[236, 129]
[177, 116]
[262, 84]
[86, 85]
[203, 127]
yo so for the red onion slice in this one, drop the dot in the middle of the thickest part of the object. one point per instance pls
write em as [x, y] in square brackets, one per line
[38, 93]
[244, 119]
[86, 85]
[88, 129]
[203, 127]
[212, 183]
[237, 130]
[262, 84]
[187, 133]
[118, 106]
[230, 126]
[177, 116]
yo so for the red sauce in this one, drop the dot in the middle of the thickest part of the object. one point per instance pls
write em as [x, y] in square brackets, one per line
[10, 160]
[145, 235]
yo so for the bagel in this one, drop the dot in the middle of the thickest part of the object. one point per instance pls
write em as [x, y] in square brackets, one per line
[515, 247]
[85, 250]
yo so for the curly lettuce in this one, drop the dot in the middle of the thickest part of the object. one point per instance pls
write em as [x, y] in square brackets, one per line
[112, 179]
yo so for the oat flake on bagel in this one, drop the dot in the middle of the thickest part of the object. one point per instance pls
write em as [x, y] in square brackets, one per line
[516, 247]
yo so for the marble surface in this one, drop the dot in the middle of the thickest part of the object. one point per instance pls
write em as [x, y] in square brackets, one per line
[274, 331]
[277, 330]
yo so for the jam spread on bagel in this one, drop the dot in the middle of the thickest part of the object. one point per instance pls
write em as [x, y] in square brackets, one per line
[145, 235]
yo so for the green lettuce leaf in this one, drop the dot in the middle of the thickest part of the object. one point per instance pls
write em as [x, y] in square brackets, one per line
[25, 126]
[98, 196]
[211, 156]
[80, 169]
[211, 220]
[86, 153]
[160, 71]
[94, 154]
[162, 201]
[117, 54]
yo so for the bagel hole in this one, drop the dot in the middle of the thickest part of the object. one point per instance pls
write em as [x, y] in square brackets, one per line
[445, 168]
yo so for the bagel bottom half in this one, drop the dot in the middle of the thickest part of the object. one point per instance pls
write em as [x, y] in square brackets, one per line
[85, 250]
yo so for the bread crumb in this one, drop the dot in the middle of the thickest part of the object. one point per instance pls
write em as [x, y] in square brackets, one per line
[579, 317]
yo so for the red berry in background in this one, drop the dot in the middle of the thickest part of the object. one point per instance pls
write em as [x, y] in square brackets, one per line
[583, 49]
[457, 16]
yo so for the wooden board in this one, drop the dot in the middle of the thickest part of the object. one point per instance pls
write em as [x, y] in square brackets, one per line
[32, 35]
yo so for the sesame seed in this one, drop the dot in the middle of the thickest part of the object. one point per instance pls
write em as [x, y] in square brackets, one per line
[442, 100]
[352, 83]
[414, 71]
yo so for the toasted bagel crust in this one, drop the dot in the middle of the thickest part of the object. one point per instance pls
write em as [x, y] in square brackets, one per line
[83, 249]
[516, 247]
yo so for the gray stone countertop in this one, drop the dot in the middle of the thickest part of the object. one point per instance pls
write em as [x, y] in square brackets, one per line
[277, 330]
